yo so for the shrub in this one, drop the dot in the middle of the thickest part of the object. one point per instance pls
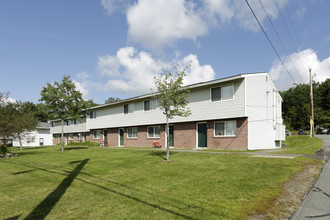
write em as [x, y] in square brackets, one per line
[3, 149]
[87, 143]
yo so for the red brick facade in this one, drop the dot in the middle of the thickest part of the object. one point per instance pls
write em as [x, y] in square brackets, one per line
[185, 136]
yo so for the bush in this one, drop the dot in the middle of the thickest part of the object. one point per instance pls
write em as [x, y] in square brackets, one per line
[3, 149]
[87, 143]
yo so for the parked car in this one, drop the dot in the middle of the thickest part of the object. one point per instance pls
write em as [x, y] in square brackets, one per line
[301, 132]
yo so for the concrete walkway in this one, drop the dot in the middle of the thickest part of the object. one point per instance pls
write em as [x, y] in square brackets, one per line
[316, 204]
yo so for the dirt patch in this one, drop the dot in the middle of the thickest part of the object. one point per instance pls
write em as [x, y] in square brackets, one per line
[293, 194]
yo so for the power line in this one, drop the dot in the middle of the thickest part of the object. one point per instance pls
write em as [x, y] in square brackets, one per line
[287, 30]
[269, 40]
[278, 36]
[294, 29]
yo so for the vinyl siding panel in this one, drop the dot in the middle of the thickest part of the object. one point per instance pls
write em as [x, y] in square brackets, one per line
[81, 127]
[199, 103]
[263, 111]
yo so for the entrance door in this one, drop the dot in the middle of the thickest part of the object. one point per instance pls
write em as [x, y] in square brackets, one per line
[105, 137]
[202, 135]
[171, 135]
[84, 137]
[121, 137]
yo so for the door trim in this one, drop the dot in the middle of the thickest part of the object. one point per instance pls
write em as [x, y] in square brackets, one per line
[202, 122]
[119, 137]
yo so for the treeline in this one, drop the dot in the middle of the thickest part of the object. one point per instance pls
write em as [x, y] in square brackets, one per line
[296, 106]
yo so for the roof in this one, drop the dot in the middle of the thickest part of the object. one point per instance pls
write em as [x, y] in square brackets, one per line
[191, 86]
[43, 125]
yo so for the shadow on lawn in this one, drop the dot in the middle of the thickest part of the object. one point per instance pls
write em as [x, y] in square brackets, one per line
[42, 210]
[161, 154]
[74, 148]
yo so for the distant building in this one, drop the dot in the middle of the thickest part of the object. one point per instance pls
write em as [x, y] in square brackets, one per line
[39, 137]
[238, 112]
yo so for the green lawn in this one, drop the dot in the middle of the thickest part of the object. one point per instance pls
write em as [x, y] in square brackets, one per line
[301, 144]
[105, 183]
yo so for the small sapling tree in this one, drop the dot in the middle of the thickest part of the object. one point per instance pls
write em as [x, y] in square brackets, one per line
[172, 96]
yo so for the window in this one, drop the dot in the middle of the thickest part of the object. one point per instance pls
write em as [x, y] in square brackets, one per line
[79, 136]
[132, 132]
[150, 105]
[76, 122]
[96, 134]
[154, 132]
[52, 124]
[225, 128]
[222, 93]
[31, 139]
[129, 108]
[92, 114]
[70, 136]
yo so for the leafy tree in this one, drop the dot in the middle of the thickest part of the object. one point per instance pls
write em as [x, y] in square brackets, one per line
[90, 103]
[25, 120]
[172, 96]
[296, 105]
[63, 101]
[111, 100]
[15, 119]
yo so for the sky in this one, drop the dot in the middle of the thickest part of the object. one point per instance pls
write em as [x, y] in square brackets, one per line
[113, 48]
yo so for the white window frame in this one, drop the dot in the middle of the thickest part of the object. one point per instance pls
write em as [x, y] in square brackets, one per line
[225, 135]
[221, 99]
[131, 131]
[153, 131]
[95, 136]
[93, 114]
[71, 137]
[130, 108]
[152, 106]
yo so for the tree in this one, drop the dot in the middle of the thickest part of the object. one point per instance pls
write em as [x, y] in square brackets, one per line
[24, 121]
[63, 101]
[172, 96]
[296, 105]
[15, 118]
[111, 100]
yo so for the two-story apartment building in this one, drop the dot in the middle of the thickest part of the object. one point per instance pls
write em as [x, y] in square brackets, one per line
[237, 112]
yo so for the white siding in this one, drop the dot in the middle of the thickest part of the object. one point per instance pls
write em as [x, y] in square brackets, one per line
[199, 103]
[35, 135]
[57, 129]
[263, 111]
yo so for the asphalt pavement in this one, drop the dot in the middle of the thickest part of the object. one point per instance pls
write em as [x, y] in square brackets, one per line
[316, 204]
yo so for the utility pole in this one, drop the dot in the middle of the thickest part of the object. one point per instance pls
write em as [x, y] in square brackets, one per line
[311, 104]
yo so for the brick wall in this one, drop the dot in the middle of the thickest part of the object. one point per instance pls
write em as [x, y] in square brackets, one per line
[240, 142]
[185, 136]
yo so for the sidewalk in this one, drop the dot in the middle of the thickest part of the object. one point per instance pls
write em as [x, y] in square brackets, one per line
[316, 204]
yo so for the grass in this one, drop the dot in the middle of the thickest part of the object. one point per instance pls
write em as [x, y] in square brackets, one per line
[105, 183]
[301, 144]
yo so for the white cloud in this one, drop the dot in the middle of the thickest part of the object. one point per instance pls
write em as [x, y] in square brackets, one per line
[112, 5]
[301, 12]
[136, 71]
[10, 99]
[303, 61]
[83, 85]
[155, 24]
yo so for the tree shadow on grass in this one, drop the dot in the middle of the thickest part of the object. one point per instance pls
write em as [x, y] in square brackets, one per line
[161, 154]
[43, 209]
[74, 148]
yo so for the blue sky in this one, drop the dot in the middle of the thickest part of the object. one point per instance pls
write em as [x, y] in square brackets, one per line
[113, 48]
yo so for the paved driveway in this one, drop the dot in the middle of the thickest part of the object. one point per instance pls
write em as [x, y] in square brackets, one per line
[316, 205]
